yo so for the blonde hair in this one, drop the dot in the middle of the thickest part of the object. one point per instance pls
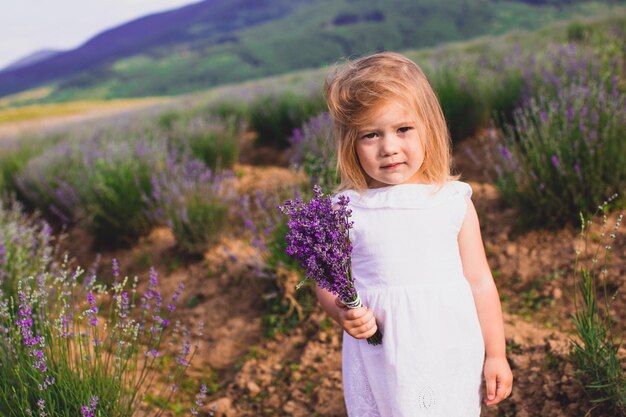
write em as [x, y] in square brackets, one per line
[356, 89]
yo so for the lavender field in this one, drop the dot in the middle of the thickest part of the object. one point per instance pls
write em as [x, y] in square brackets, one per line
[143, 268]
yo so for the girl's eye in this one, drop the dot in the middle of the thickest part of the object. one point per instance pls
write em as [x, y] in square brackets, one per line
[369, 135]
[404, 129]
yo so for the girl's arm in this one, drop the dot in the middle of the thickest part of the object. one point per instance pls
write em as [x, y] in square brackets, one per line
[498, 376]
[358, 322]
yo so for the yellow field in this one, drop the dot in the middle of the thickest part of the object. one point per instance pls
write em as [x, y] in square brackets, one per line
[42, 111]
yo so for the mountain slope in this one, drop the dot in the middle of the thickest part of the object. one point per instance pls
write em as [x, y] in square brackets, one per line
[204, 20]
[31, 59]
[218, 41]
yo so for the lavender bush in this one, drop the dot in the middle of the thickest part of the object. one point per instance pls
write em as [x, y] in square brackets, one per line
[564, 152]
[563, 65]
[213, 140]
[71, 345]
[318, 238]
[51, 184]
[115, 183]
[490, 79]
[26, 247]
[193, 201]
[99, 182]
[14, 155]
[256, 217]
[72, 348]
[313, 149]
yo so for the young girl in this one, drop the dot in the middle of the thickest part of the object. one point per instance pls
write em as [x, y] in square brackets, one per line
[418, 260]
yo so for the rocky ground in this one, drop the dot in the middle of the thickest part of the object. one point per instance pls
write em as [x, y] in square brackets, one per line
[298, 373]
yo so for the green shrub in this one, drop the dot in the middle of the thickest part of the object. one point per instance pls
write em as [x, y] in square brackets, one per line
[200, 220]
[462, 100]
[274, 117]
[595, 350]
[15, 155]
[208, 134]
[235, 111]
[166, 120]
[25, 247]
[113, 193]
[213, 141]
[193, 202]
[51, 183]
[577, 32]
[505, 95]
[11, 163]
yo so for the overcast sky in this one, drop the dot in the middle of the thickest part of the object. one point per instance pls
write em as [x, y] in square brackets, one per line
[30, 25]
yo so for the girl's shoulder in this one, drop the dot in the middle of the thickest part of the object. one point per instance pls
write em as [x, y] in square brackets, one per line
[419, 196]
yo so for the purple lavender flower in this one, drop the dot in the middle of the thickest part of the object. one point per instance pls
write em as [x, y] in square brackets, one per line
[179, 289]
[318, 238]
[116, 269]
[556, 162]
[91, 312]
[41, 404]
[124, 304]
[570, 115]
[471, 155]
[200, 396]
[89, 410]
[296, 136]
[506, 153]
[34, 344]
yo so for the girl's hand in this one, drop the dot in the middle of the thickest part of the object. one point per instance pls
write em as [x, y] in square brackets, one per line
[360, 322]
[498, 379]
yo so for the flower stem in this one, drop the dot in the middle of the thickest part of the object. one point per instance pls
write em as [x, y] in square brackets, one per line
[377, 339]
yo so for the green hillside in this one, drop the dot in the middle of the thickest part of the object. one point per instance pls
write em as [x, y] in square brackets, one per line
[313, 34]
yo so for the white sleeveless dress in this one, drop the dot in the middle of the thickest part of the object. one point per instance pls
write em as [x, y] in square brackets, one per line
[407, 270]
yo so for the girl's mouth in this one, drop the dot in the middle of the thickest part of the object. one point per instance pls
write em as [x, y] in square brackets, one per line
[392, 165]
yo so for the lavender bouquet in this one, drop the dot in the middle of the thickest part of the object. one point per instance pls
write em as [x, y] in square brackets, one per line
[318, 239]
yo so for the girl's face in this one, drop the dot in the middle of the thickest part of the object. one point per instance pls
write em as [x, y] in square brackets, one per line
[389, 147]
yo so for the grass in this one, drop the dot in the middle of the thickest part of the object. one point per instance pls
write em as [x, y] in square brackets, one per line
[595, 350]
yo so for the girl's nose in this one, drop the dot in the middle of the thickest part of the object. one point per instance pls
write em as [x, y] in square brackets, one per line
[389, 145]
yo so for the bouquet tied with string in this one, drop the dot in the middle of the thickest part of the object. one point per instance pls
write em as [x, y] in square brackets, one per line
[318, 238]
